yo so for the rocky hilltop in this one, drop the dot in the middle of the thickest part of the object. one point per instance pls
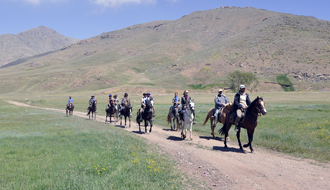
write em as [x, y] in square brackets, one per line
[31, 42]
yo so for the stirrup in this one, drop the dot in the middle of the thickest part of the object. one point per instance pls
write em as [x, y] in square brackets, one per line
[236, 128]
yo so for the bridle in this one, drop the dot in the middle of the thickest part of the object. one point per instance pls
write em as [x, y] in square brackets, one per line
[260, 110]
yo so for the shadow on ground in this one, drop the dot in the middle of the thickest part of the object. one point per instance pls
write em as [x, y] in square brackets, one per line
[174, 138]
[211, 138]
[229, 149]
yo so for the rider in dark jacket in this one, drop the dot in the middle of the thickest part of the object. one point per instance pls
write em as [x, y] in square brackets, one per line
[241, 102]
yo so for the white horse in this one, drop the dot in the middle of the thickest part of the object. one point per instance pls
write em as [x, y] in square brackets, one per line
[188, 118]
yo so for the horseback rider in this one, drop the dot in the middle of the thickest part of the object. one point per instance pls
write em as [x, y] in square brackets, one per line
[220, 102]
[241, 102]
[151, 99]
[175, 102]
[125, 101]
[144, 100]
[116, 101]
[185, 100]
[70, 102]
[110, 101]
[91, 103]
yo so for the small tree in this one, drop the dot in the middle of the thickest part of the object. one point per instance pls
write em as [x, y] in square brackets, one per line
[235, 79]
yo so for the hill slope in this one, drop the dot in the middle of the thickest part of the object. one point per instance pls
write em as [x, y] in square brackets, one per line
[31, 42]
[199, 48]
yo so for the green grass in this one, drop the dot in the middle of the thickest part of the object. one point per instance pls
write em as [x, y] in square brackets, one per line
[46, 150]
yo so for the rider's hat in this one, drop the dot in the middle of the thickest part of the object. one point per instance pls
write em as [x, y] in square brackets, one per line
[148, 93]
[115, 95]
[110, 95]
[242, 86]
[92, 96]
[220, 90]
[125, 94]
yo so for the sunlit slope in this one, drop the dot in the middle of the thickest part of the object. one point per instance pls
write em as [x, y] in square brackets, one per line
[199, 48]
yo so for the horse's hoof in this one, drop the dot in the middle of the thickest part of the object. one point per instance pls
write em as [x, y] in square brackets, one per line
[252, 150]
[212, 135]
[245, 145]
[241, 148]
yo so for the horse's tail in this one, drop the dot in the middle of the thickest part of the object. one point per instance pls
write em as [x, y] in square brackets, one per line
[168, 118]
[222, 131]
[207, 117]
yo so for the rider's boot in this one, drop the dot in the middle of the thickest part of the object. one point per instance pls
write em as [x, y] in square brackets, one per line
[237, 122]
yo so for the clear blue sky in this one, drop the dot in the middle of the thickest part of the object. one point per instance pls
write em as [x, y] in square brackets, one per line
[86, 18]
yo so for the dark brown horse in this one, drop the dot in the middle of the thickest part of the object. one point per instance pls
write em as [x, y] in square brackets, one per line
[146, 116]
[92, 109]
[126, 111]
[110, 111]
[256, 108]
[69, 109]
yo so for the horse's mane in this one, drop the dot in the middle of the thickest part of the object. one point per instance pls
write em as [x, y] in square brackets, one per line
[252, 105]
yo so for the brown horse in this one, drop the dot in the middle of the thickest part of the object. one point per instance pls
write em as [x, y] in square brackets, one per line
[256, 108]
[69, 109]
[221, 119]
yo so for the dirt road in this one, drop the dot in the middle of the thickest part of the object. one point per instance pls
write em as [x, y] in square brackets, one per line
[206, 159]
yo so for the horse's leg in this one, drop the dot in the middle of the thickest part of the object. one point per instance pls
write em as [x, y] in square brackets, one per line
[191, 124]
[139, 127]
[129, 120]
[238, 138]
[150, 125]
[145, 125]
[212, 126]
[250, 135]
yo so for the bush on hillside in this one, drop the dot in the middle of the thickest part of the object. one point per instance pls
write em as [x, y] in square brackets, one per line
[285, 82]
[235, 79]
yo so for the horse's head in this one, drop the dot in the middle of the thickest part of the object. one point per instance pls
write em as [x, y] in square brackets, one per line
[192, 105]
[261, 106]
[148, 105]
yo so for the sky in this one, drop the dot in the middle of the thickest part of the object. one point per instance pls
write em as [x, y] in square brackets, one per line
[83, 19]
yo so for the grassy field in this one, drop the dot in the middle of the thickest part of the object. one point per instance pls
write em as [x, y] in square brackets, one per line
[46, 150]
[297, 123]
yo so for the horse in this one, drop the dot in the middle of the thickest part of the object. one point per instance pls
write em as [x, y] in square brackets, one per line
[146, 116]
[69, 109]
[221, 119]
[172, 116]
[126, 111]
[256, 108]
[110, 111]
[188, 118]
[93, 110]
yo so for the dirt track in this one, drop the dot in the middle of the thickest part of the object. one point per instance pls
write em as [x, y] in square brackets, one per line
[229, 168]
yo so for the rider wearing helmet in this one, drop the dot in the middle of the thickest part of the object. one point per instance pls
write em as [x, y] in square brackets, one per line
[90, 103]
[144, 100]
[110, 101]
[125, 100]
[151, 99]
[241, 102]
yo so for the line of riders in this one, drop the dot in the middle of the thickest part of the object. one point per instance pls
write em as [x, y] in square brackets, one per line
[237, 113]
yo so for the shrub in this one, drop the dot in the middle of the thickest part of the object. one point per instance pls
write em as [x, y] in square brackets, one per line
[235, 79]
[285, 82]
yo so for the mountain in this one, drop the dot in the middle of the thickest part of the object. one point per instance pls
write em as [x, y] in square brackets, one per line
[199, 49]
[31, 42]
